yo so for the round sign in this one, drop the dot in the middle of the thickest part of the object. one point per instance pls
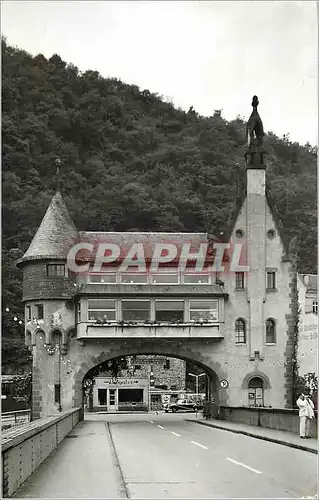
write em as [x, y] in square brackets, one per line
[88, 382]
[224, 384]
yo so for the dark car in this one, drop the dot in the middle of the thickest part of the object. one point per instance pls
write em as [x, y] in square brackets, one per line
[184, 405]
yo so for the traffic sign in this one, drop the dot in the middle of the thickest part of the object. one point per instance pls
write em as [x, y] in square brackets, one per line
[224, 384]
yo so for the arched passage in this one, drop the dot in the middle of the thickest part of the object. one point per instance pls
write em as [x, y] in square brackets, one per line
[175, 350]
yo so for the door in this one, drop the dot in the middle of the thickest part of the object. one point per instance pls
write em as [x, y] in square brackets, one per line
[112, 400]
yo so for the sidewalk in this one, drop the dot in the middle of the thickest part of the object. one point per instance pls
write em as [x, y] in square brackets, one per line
[83, 467]
[273, 435]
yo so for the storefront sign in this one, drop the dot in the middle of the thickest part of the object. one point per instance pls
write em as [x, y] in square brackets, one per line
[124, 381]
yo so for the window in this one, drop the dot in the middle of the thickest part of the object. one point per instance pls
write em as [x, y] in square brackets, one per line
[240, 331]
[169, 310]
[55, 270]
[57, 393]
[102, 309]
[28, 313]
[102, 397]
[240, 281]
[315, 306]
[39, 311]
[270, 331]
[203, 310]
[136, 310]
[196, 279]
[239, 233]
[102, 278]
[167, 364]
[165, 278]
[79, 312]
[271, 280]
[256, 392]
[131, 395]
[134, 279]
[271, 234]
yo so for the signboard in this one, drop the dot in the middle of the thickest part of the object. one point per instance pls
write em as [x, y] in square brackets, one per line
[119, 381]
[166, 398]
[224, 384]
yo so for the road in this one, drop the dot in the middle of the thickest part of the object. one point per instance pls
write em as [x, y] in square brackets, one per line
[164, 456]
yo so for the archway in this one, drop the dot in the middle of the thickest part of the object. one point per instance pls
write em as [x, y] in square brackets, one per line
[212, 369]
[256, 391]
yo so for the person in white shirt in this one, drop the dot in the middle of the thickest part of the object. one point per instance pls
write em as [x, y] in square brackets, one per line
[306, 413]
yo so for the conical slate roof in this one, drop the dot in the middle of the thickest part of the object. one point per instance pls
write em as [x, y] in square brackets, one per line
[56, 234]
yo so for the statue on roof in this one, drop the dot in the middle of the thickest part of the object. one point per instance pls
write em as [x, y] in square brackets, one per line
[254, 128]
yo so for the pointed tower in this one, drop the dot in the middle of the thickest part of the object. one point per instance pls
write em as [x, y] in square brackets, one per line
[256, 227]
[48, 291]
[56, 234]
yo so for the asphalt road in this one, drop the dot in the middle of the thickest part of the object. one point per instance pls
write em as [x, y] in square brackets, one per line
[164, 456]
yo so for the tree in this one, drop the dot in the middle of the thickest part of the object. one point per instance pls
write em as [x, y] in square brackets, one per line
[109, 135]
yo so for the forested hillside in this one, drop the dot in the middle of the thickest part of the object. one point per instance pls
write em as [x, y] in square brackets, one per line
[130, 161]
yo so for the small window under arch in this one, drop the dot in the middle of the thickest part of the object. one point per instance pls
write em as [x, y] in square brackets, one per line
[256, 392]
[240, 331]
[270, 331]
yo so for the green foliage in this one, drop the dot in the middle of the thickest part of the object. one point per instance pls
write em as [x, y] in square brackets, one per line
[130, 161]
[308, 383]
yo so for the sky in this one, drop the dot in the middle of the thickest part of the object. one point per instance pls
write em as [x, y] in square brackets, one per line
[206, 54]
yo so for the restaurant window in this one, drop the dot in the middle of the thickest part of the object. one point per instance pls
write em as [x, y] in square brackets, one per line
[104, 278]
[240, 281]
[271, 280]
[240, 331]
[102, 309]
[165, 278]
[134, 279]
[102, 397]
[136, 310]
[55, 270]
[169, 310]
[131, 395]
[39, 311]
[256, 392]
[196, 279]
[270, 331]
[203, 310]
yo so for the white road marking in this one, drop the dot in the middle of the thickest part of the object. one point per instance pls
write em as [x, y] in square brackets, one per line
[175, 434]
[151, 421]
[198, 444]
[243, 465]
[160, 427]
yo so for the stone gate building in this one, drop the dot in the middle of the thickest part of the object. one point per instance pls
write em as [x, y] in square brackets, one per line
[238, 326]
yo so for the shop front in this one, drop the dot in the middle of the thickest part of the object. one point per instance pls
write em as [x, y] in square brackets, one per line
[120, 394]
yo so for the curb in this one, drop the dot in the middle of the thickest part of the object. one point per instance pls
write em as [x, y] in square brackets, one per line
[117, 413]
[257, 436]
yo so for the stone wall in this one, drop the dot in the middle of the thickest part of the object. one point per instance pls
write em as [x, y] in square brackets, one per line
[273, 418]
[23, 451]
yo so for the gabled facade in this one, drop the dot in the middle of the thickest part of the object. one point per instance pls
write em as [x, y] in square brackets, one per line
[238, 325]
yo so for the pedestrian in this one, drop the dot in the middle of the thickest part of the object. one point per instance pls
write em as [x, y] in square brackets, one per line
[306, 413]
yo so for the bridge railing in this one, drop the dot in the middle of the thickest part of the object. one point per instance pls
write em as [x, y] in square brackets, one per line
[25, 447]
[13, 418]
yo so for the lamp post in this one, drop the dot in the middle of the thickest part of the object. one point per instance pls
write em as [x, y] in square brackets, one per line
[197, 377]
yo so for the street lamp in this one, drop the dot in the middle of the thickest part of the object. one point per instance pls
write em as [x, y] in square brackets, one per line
[197, 377]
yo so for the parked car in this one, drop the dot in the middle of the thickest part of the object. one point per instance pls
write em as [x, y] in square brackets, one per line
[184, 405]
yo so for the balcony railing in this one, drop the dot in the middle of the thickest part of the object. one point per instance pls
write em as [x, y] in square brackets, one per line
[193, 329]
